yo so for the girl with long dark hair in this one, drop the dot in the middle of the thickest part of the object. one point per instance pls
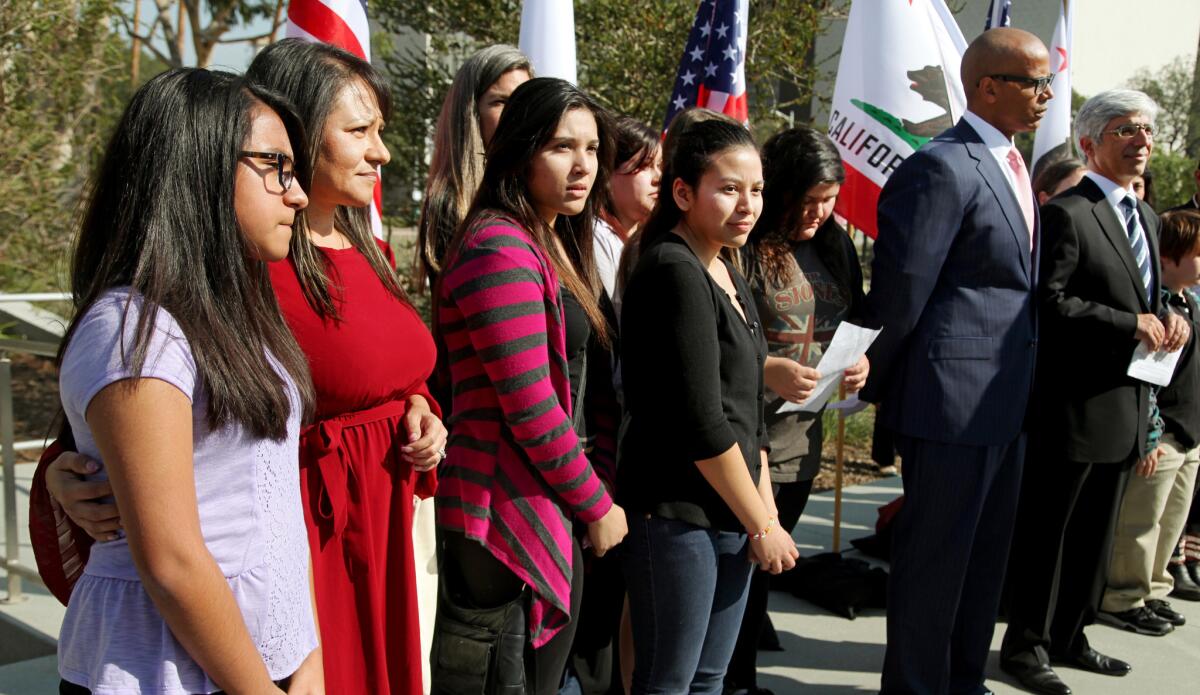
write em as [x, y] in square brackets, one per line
[516, 480]
[179, 376]
[806, 280]
[624, 205]
[693, 453]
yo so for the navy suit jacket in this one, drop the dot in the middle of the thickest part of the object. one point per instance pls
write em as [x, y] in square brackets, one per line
[952, 287]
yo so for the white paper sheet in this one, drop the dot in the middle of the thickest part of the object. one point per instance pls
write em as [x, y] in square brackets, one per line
[849, 344]
[1155, 367]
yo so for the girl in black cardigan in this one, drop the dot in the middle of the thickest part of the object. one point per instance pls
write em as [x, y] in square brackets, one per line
[691, 462]
[806, 279]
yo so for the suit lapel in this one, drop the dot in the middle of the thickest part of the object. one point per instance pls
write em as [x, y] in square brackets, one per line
[995, 179]
[1114, 231]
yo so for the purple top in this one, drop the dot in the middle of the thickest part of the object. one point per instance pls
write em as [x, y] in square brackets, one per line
[113, 639]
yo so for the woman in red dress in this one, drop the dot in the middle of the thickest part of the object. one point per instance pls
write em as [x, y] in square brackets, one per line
[377, 434]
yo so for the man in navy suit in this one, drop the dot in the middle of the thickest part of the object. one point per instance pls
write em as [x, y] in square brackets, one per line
[952, 288]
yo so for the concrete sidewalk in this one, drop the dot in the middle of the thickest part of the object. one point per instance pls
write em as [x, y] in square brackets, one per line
[824, 654]
[829, 655]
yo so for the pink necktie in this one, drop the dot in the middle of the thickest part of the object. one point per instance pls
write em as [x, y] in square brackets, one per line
[1024, 190]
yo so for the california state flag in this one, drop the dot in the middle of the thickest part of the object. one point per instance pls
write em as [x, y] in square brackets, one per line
[897, 87]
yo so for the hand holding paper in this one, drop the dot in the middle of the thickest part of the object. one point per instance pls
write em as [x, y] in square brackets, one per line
[849, 344]
[1155, 367]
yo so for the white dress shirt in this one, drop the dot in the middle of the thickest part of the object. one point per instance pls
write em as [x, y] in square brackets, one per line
[997, 144]
[1114, 194]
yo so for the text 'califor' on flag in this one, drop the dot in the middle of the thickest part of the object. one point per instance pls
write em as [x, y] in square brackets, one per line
[897, 87]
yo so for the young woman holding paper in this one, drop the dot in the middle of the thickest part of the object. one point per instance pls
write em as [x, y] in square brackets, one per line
[807, 281]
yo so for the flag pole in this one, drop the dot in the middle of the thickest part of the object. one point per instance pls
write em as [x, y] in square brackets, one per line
[840, 455]
[839, 461]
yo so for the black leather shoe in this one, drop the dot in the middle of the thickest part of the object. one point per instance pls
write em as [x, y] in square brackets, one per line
[1185, 587]
[1091, 660]
[1033, 674]
[1142, 620]
[1163, 610]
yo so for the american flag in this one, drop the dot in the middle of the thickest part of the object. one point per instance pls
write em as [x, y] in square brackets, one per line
[341, 23]
[712, 72]
[998, 14]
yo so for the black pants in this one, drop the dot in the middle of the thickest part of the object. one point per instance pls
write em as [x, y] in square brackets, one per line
[1061, 550]
[790, 498]
[595, 656]
[68, 688]
[949, 549]
[486, 582]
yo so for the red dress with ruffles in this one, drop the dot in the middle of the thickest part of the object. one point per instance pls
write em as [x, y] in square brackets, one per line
[357, 489]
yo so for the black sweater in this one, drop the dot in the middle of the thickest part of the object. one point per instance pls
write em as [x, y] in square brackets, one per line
[693, 375]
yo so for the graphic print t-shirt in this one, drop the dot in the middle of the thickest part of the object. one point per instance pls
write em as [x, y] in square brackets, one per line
[800, 317]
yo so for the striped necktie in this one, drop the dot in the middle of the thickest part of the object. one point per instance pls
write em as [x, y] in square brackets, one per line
[1137, 239]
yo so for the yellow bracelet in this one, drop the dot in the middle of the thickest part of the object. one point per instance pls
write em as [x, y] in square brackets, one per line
[763, 533]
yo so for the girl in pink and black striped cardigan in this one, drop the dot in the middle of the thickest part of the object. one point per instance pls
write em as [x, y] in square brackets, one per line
[515, 480]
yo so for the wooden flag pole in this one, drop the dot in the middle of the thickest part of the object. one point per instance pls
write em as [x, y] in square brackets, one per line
[839, 458]
[839, 461]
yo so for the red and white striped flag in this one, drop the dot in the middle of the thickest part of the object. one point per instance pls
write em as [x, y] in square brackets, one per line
[341, 23]
[712, 72]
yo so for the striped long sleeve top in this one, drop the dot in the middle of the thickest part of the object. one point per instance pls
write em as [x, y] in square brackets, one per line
[515, 472]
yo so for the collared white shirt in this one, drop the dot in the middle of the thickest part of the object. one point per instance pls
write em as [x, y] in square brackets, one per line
[998, 145]
[607, 248]
[1114, 194]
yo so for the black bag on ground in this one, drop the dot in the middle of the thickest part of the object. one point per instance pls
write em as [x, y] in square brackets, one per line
[843, 586]
[478, 651]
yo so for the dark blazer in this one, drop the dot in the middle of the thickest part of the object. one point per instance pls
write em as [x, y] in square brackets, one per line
[952, 287]
[1086, 409]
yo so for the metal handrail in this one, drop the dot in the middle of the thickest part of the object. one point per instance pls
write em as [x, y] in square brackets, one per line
[36, 297]
[11, 561]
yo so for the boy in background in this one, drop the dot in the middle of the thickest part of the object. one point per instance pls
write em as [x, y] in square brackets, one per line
[1159, 494]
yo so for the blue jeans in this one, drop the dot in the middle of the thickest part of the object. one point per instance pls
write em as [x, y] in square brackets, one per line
[687, 592]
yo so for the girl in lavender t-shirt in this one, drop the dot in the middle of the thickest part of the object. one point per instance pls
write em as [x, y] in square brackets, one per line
[179, 376]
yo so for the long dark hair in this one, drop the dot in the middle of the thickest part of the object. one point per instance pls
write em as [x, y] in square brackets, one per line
[457, 164]
[160, 219]
[527, 124]
[692, 144]
[794, 161]
[312, 76]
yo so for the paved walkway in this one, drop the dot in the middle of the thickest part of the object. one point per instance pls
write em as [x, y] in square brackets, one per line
[824, 654]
